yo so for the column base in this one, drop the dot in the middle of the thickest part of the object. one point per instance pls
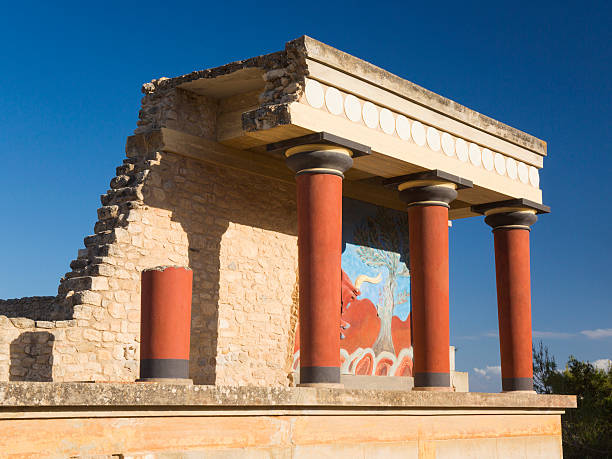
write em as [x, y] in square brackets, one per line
[188, 382]
[434, 389]
[322, 385]
[517, 384]
[320, 375]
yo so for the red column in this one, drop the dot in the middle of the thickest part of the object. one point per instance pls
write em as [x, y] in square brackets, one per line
[428, 229]
[319, 202]
[511, 238]
[428, 195]
[319, 177]
[165, 323]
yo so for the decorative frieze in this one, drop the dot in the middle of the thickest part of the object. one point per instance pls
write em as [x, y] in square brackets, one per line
[364, 112]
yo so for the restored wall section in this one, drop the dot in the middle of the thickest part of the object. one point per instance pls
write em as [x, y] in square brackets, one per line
[191, 214]
[229, 226]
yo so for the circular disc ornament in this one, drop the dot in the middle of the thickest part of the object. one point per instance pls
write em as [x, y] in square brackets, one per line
[402, 126]
[370, 115]
[500, 164]
[333, 100]
[511, 168]
[433, 138]
[352, 108]
[448, 144]
[475, 157]
[461, 147]
[314, 93]
[523, 173]
[534, 176]
[418, 133]
[487, 159]
[387, 122]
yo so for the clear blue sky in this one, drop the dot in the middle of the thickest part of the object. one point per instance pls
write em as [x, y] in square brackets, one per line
[70, 93]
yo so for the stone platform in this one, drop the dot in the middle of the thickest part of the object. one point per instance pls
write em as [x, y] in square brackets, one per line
[172, 421]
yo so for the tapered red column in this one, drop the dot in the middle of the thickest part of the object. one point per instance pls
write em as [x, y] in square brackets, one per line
[512, 271]
[428, 196]
[319, 173]
[165, 324]
[511, 221]
[428, 229]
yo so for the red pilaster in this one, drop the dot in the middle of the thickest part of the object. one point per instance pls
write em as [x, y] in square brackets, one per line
[165, 323]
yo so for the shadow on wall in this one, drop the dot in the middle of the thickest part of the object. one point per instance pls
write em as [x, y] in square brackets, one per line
[205, 199]
[32, 357]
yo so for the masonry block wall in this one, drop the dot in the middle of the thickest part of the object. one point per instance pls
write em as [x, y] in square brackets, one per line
[231, 227]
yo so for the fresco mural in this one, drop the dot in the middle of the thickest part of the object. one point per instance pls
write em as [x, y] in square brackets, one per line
[375, 330]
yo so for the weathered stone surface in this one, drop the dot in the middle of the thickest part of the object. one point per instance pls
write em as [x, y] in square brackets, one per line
[24, 394]
[202, 224]
[33, 307]
[281, 433]
[22, 322]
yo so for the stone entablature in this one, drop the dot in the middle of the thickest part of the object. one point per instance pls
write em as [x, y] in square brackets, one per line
[312, 87]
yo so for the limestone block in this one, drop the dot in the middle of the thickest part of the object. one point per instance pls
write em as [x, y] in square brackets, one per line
[74, 334]
[100, 326]
[107, 212]
[92, 335]
[5, 323]
[99, 283]
[82, 311]
[22, 322]
[88, 297]
[122, 297]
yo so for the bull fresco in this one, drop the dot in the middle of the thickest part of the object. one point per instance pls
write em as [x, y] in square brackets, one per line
[375, 329]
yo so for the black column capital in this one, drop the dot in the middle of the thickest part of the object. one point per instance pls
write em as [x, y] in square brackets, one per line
[429, 188]
[511, 214]
[319, 153]
[319, 159]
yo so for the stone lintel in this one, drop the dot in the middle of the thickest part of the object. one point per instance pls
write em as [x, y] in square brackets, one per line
[324, 138]
[512, 204]
[435, 175]
[347, 63]
[104, 395]
[305, 47]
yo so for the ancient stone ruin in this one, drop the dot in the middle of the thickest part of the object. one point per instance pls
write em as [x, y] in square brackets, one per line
[225, 169]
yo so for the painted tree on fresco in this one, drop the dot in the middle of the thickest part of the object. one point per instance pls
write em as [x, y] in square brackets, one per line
[383, 243]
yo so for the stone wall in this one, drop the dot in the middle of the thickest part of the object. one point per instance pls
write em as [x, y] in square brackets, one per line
[232, 228]
[33, 307]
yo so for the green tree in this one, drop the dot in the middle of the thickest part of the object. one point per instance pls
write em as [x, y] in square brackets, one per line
[544, 369]
[587, 430]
